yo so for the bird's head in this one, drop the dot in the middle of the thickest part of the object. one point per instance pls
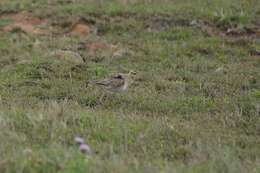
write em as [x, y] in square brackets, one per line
[132, 73]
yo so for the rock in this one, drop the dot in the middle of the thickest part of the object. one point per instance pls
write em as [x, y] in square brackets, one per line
[68, 56]
[122, 52]
[84, 148]
[79, 140]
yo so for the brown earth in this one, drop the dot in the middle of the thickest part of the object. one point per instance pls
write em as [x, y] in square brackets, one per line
[80, 29]
[26, 22]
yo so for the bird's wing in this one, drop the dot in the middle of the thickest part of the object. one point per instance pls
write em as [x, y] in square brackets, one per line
[112, 82]
[104, 82]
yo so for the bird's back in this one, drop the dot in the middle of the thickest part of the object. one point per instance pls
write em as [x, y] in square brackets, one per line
[113, 82]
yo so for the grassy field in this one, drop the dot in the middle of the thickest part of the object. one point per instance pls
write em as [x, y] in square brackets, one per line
[194, 105]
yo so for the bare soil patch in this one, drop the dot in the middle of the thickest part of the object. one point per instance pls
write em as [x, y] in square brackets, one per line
[26, 22]
[80, 29]
[74, 25]
[31, 24]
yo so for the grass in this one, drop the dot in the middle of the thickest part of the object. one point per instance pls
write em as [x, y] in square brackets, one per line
[194, 105]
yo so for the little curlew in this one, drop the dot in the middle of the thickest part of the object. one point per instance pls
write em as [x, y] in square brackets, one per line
[117, 83]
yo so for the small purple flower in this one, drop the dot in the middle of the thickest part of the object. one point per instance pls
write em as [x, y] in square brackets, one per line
[84, 148]
[79, 140]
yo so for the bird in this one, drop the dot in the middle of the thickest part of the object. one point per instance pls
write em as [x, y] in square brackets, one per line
[118, 82]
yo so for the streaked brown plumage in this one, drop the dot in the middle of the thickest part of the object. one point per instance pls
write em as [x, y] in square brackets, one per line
[119, 82]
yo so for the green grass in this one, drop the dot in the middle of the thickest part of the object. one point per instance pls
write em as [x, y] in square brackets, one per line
[194, 106]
